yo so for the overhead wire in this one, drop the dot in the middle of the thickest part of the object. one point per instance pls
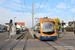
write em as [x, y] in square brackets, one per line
[22, 7]
[43, 6]
[38, 7]
[27, 7]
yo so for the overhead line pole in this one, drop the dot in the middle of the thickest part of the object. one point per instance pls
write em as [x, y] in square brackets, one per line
[32, 14]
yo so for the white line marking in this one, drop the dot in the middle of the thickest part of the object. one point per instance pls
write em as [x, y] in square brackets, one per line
[6, 39]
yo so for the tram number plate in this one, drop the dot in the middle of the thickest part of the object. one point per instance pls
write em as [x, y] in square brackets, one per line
[48, 36]
[45, 36]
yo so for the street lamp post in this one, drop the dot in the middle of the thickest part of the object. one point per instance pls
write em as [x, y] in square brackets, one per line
[14, 21]
[14, 26]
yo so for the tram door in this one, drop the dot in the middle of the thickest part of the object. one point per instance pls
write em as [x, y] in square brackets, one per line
[38, 30]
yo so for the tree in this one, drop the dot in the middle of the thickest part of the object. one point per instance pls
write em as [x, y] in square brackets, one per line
[5, 27]
[57, 20]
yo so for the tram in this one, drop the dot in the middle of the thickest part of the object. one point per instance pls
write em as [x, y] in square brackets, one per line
[45, 29]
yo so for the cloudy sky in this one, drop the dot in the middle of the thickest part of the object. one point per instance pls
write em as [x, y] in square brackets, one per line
[22, 10]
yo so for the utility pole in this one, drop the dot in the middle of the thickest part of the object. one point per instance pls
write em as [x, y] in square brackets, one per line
[14, 21]
[32, 14]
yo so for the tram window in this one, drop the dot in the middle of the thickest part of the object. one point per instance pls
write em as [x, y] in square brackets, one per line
[39, 32]
[48, 27]
[53, 22]
[38, 24]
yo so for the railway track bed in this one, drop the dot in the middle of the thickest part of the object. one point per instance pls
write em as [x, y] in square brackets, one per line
[35, 44]
[26, 43]
[47, 45]
[18, 44]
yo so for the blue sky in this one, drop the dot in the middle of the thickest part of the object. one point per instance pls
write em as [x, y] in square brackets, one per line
[22, 9]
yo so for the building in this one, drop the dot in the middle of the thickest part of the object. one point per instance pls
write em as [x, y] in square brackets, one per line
[20, 25]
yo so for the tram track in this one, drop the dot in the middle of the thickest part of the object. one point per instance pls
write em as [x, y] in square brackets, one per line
[24, 48]
[51, 45]
[62, 46]
[57, 44]
[19, 39]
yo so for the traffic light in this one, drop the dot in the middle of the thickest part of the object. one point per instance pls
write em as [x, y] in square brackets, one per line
[15, 24]
[63, 24]
[11, 21]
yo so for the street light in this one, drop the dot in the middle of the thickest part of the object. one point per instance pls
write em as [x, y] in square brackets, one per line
[14, 20]
[14, 26]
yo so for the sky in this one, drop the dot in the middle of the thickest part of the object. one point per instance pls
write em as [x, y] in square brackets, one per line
[22, 10]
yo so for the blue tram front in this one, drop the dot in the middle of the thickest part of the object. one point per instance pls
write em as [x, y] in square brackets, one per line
[46, 29]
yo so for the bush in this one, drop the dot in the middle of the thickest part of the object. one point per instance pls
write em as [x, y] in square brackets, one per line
[69, 29]
[5, 27]
[63, 28]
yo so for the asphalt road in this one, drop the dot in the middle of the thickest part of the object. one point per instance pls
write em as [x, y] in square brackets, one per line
[36, 44]
[4, 41]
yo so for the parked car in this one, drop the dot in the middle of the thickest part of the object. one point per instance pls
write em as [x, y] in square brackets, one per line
[0, 30]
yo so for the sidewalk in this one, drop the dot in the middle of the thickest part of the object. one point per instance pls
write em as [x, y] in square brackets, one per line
[70, 32]
[68, 36]
[32, 32]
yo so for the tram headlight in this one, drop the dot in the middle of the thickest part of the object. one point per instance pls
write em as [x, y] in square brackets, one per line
[42, 35]
[55, 34]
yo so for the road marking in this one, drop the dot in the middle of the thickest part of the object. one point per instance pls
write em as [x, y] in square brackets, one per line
[6, 39]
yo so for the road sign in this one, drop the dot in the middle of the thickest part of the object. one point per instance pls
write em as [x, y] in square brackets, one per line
[7, 23]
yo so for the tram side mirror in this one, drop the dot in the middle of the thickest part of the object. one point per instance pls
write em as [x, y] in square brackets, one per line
[39, 32]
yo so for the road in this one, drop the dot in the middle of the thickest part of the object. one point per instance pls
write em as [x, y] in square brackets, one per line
[50, 45]
[3, 40]
[36, 44]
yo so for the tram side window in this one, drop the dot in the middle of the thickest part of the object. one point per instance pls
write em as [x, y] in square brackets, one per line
[38, 24]
[38, 28]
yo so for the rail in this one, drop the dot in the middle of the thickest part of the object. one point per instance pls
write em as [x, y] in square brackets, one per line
[56, 43]
[25, 43]
[21, 37]
[50, 45]
[62, 45]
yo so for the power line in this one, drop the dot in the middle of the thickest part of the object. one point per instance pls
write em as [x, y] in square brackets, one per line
[22, 7]
[38, 7]
[27, 7]
[43, 6]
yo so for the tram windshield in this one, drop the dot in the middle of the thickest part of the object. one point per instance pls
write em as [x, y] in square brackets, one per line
[48, 27]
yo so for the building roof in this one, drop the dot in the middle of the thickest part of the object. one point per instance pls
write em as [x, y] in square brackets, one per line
[21, 23]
